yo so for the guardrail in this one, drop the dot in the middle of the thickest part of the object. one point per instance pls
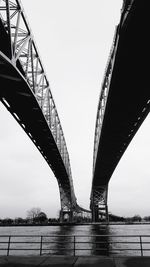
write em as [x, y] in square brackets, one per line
[75, 245]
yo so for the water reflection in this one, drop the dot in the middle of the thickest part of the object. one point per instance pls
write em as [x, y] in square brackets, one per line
[100, 241]
[62, 243]
[78, 240]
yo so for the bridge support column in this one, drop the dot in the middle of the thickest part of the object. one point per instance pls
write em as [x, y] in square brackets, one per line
[66, 212]
[95, 214]
[100, 214]
[107, 214]
[66, 216]
[99, 205]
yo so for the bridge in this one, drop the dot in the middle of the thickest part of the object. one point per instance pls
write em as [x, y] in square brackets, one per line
[26, 94]
[123, 104]
[124, 101]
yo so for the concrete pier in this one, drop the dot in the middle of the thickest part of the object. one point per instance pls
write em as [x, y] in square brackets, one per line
[77, 261]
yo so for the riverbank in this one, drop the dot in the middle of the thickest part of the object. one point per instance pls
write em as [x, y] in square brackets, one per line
[77, 261]
[72, 224]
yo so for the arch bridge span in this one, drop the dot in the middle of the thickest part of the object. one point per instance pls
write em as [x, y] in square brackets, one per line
[26, 93]
[124, 101]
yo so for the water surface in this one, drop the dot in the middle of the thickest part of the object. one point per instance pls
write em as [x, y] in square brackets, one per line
[61, 239]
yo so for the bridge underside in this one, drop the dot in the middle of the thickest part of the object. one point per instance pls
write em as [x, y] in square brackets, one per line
[26, 94]
[20, 99]
[128, 100]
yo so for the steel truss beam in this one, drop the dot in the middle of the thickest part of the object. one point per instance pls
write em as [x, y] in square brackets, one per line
[24, 56]
[23, 48]
[103, 96]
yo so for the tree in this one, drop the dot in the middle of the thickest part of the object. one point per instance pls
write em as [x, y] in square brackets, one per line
[19, 220]
[42, 217]
[7, 221]
[136, 218]
[36, 215]
[33, 213]
[147, 218]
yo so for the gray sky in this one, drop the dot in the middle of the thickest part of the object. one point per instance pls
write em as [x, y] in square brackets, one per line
[74, 38]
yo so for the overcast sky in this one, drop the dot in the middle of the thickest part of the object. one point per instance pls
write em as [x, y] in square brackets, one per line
[74, 38]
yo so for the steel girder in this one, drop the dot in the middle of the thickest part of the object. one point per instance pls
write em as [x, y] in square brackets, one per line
[22, 52]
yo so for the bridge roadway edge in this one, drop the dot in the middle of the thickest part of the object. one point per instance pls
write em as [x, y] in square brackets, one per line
[76, 261]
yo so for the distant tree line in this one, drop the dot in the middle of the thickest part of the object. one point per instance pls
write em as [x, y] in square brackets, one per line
[135, 218]
[34, 216]
[37, 216]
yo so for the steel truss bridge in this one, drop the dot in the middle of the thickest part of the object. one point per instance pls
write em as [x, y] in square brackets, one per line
[26, 93]
[123, 105]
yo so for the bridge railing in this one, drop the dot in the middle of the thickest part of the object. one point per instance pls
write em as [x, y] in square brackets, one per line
[75, 245]
[24, 55]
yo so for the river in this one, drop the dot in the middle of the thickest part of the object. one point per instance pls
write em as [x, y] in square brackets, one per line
[86, 237]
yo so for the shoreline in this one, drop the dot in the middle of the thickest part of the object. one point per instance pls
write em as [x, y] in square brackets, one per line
[69, 224]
